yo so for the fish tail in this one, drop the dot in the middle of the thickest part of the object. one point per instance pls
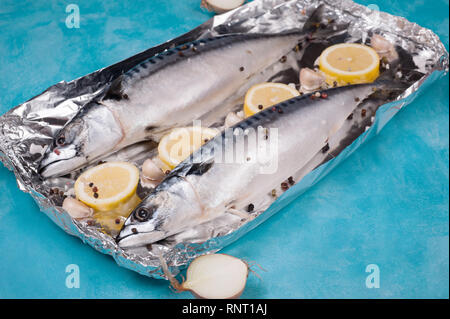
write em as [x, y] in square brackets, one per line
[393, 78]
[388, 86]
[320, 26]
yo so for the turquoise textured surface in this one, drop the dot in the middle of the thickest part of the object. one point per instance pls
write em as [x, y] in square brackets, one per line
[386, 205]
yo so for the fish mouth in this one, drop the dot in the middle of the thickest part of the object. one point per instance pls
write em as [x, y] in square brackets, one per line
[60, 161]
[139, 239]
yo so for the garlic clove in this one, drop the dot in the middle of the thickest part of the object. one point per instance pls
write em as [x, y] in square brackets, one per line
[149, 183]
[232, 118]
[383, 47]
[76, 209]
[151, 171]
[310, 80]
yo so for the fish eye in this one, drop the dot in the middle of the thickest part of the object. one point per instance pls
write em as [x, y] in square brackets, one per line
[143, 213]
[61, 140]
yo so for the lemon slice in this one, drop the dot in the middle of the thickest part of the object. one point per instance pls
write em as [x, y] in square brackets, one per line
[107, 186]
[177, 145]
[264, 95]
[349, 63]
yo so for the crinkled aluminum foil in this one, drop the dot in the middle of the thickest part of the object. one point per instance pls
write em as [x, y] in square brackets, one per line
[26, 130]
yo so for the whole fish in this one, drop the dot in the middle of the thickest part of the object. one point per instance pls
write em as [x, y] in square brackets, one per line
[205, 186]
[168, 90]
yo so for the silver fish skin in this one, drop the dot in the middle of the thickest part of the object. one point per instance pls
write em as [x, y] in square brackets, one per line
[169, 90]
[202, 188]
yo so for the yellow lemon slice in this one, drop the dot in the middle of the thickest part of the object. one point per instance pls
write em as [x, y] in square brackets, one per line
[349, 63]
[264, 95]
[107, 186]
[177, 145]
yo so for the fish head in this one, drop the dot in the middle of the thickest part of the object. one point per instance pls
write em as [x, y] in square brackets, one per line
[163, 213]
[83, 139]
[143, 226]
[63, 154]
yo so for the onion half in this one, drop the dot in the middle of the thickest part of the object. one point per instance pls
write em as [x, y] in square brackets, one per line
[221, 6]
[215, 276]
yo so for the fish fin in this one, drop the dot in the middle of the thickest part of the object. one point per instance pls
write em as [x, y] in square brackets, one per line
[115, 91]
[200, 168]
[187, 167]
[394, 79]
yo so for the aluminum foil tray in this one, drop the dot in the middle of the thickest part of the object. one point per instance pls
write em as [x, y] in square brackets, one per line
[27, 129]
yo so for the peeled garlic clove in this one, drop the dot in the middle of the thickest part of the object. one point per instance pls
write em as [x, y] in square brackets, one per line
[310, 80]
[383, 47]
[231, 119]
[76, 209]
[149, 183]
[151, 171]
[221, 6]
[216, 276]
[380, 44]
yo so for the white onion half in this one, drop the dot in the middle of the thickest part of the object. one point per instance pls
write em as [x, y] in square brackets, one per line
[221, 6]
[216, 276]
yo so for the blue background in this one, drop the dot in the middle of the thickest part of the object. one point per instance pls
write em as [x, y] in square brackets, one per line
[387, 204]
